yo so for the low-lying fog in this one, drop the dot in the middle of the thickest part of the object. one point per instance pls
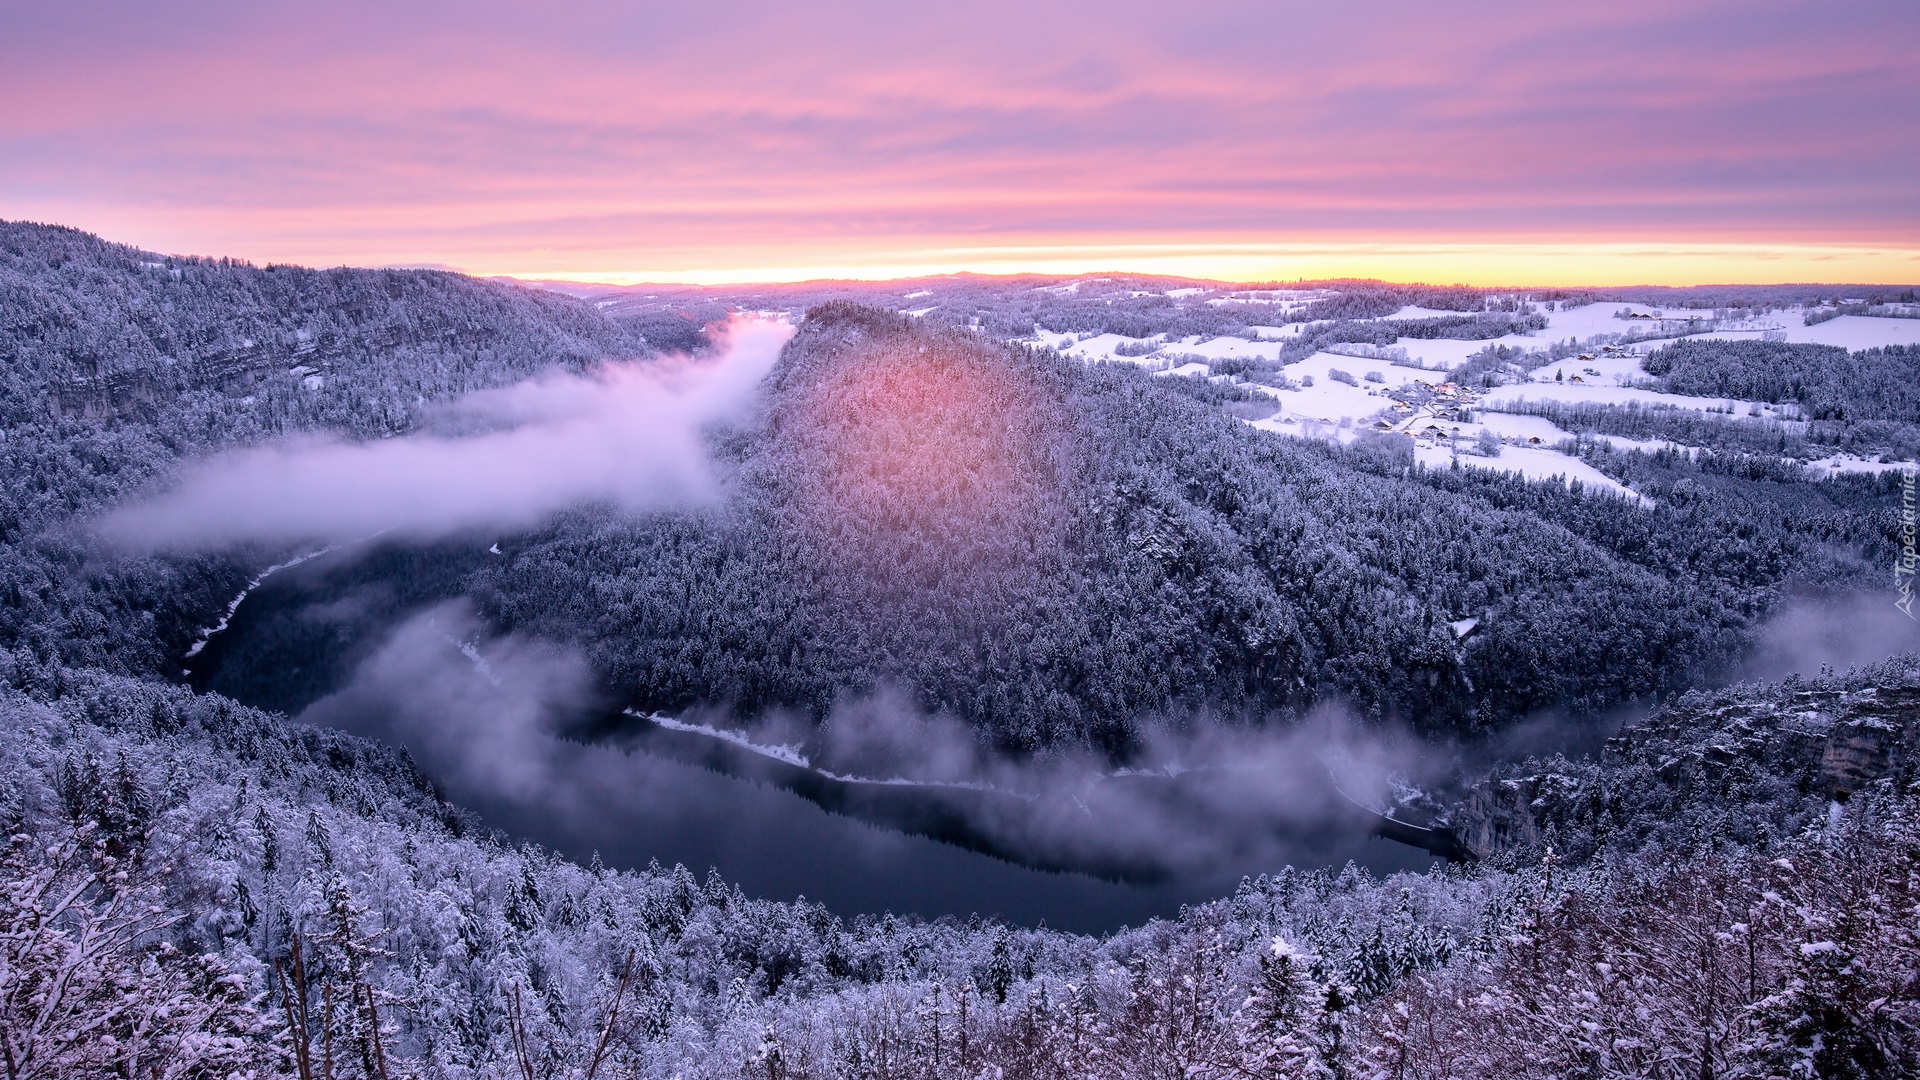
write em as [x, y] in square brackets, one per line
[484, 715]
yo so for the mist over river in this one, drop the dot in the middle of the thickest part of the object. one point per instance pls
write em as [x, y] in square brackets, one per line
[366, 640]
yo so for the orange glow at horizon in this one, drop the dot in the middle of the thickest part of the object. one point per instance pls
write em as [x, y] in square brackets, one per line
[1479, 264]
[323, 239]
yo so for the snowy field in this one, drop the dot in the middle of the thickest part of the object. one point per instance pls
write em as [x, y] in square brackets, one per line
[1096, 349]
[1592, 320]
[1449, 354]
[1645, 446]
[1331, 409]
[1841, 464]
[1321, 365]
[1188, 370]
[1331, 401]
[1523, 428]
[1505, 397]
[1848, 331]
[1532, 462]
[1105, 347]
[1334, 409]
[1223, 348]
[1579, 324]
[1605, 369]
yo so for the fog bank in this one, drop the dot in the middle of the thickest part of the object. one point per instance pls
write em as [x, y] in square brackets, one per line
[629, 434]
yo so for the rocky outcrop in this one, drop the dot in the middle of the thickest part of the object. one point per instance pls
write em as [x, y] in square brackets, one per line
[1745, 762]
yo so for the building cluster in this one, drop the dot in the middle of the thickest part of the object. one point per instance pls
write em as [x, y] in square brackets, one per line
[1428, 410]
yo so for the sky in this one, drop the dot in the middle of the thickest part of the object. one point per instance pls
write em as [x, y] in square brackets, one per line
[1543, 143]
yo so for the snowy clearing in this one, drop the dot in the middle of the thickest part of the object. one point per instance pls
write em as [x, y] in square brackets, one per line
[1284, 299]
[1532, 462]
[1321, 364]
[1607, 369]
[1221, 348]
[1502, 397]
[1098, 348]
[1591, 320]
[1184, 370]
[1524, 428]
[1851, 332]
[1105, 347]
[1842, 464]
[1450, 353]
[1329, 400]
[1579, 324]
[1645, 446]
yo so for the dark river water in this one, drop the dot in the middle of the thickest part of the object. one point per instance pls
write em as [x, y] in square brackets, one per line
[341, 640]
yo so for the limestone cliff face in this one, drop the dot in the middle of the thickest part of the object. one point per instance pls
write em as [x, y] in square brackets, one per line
[1748, 763]
[1874, 735]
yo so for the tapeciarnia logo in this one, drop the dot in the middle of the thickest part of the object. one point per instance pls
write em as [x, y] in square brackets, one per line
[1903, 563]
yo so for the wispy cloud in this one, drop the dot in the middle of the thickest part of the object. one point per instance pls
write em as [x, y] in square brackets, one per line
[629, 434]
[486, 714]
[623, 138]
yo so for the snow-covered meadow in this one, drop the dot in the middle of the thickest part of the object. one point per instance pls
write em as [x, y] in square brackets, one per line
[1851, 332]
[1587, 355]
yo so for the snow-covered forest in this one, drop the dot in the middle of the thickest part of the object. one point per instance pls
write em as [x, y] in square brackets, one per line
[194, 888]
[1010, 506]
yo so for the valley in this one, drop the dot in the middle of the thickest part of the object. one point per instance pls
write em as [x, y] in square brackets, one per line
[961, 657]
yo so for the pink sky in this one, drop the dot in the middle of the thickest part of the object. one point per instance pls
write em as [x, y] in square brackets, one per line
[1484, 142]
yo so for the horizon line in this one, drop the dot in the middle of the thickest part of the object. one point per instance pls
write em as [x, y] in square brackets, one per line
[1477, 265]
[1490, 265]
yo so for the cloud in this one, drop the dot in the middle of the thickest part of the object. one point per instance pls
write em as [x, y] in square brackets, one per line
[647, 138]
[629, 434]
[487, 717]
[494, 718]
[483, 723]
[1200, 802]
[1838, 632]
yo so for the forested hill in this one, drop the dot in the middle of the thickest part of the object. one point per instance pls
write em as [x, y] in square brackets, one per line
[1053, 552]
[115, 364]
[1866, 401]
[1058, 554]
[1064, 555]
[97, 328]
[245, 893]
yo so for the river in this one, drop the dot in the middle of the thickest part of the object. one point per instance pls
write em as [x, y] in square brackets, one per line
[304, 637]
